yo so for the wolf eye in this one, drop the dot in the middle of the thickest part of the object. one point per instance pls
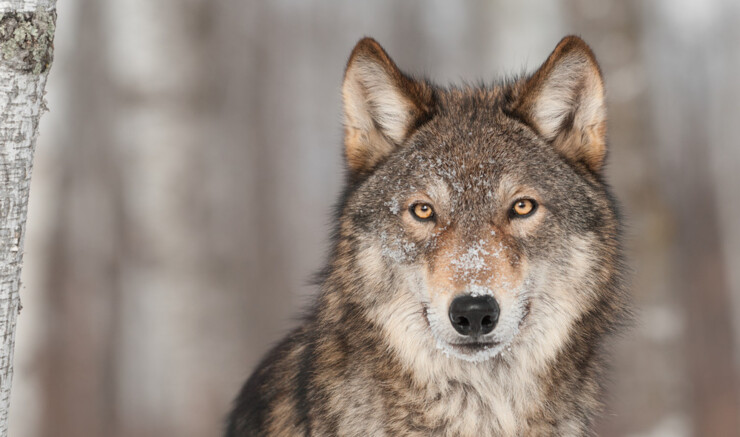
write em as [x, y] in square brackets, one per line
[523, 208]
[422, 211]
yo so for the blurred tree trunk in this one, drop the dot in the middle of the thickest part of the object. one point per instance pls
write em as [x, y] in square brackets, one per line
[77, 365]
[688, 132]
[26, 36]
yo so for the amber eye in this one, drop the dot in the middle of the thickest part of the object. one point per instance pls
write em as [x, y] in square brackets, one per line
[523, 208]
[422, 211]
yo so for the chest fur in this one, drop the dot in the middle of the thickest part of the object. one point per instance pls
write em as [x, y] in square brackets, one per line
[451, 409]
[462, 410]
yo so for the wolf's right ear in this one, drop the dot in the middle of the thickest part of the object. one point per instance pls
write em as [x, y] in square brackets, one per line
[382, 106]
[564, 102]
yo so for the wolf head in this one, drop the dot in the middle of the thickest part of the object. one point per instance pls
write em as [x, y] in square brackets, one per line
[476, 219]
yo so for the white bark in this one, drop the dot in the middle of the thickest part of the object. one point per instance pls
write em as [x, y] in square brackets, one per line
[26, 34]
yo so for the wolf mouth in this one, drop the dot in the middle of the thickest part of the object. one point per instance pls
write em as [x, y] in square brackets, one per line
[474, 347]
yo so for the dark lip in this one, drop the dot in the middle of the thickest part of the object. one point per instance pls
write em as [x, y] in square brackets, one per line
[476, 346]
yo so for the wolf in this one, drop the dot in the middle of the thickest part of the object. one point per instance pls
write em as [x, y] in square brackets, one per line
[476, 271]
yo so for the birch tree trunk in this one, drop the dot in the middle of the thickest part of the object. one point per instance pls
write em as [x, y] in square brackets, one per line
[26, 35]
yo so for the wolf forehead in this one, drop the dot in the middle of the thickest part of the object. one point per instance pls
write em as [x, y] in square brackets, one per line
[476, 146]
[470, 127]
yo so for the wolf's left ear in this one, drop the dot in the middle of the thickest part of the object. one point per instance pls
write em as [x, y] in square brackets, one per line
[382, 106]
[564, 102]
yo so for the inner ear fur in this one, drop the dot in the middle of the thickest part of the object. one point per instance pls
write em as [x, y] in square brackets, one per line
[382, 106]
[564, 102]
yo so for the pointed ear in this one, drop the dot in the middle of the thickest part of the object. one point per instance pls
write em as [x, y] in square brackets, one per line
[564, 102]
[382, 106]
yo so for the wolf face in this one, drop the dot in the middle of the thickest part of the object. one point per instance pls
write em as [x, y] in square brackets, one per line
[478, 214]
[476, 265]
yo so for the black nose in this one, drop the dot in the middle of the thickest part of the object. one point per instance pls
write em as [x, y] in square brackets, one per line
[474, 315]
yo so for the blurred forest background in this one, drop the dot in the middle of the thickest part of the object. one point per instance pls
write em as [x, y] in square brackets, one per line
[185, 176]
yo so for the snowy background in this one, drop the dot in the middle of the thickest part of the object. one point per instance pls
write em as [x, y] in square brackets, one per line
[185, 175]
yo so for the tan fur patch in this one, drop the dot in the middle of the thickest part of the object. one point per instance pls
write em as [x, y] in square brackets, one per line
[457, 264]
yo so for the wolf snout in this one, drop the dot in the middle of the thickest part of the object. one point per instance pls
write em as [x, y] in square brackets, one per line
[474, 315]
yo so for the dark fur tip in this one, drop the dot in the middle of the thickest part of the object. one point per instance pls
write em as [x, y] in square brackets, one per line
[369, 48]
[573, 44]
